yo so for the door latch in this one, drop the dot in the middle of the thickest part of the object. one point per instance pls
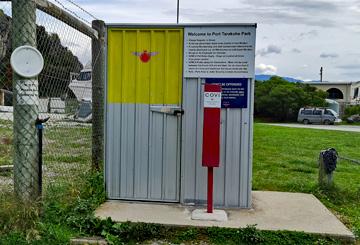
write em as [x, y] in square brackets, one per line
[179, 112]
[170, 110]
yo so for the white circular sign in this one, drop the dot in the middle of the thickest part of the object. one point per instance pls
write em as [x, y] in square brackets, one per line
[27, 61]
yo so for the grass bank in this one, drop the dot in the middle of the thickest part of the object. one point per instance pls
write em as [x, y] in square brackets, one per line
[285, 159]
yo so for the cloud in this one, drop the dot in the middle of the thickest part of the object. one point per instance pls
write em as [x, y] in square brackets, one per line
[353, 27]
[300, 5]
[296, 51]
[266, 69]
[309, 34]
[271, 49]
[256, 15]
[349, 67]
[329, 55]
[351, 74]
[355, 8]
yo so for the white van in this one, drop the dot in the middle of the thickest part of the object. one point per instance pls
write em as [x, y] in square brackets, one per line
[318, 115]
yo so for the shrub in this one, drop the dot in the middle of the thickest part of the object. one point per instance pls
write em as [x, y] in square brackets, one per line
[352, 110]
[281, 100]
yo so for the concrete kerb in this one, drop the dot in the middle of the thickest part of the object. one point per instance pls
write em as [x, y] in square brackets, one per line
[273, 211]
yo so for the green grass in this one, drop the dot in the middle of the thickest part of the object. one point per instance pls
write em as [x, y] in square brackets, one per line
[66, 180]
[5, 143]
[285, 159]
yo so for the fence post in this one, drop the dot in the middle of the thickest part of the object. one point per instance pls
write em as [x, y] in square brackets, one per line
[25, 106]
[325, 179]
[98, 94]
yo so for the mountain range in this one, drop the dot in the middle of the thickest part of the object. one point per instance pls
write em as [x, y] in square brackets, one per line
[262, 77]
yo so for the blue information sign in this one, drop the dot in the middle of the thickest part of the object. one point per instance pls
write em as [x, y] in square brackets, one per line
[234, 91]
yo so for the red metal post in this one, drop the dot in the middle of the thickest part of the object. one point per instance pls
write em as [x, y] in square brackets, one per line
[210, 190]
[211, 136]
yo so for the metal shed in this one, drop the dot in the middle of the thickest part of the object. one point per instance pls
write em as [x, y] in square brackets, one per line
[153, 128]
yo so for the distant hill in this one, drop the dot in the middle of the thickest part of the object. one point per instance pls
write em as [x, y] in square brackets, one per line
[267, 77]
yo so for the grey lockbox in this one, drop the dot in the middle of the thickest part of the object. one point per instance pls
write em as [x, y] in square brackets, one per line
[84, 109]
[84, 112]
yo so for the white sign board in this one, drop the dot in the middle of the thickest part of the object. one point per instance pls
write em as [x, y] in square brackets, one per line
[212, 99]
[219, 52]
[26, 92]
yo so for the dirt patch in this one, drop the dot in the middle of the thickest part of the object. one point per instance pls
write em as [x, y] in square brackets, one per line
[5, 140]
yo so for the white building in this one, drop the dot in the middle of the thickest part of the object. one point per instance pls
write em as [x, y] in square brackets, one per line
[346, 93]
[343, 92]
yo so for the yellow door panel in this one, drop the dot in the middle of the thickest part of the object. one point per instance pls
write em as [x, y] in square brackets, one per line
[145, 65]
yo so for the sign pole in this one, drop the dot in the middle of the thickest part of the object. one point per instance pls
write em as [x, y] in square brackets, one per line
[210, 189]
[211, 136]
[177, 11]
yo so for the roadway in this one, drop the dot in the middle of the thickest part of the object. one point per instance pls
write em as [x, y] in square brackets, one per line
[347, 128]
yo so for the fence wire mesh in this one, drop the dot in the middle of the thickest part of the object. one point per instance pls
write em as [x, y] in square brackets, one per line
[6, 95]
[62, 92]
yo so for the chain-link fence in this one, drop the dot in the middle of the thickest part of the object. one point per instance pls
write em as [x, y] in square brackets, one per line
[62, 92]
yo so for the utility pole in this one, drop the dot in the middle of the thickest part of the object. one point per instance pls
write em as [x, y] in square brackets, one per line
[177, 11]
[26, 101]
[321, 74]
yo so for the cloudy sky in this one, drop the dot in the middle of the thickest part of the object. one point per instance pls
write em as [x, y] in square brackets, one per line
[294, 37]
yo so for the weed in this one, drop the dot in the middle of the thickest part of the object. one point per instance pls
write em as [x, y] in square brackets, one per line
[18, 216]
[189, 234]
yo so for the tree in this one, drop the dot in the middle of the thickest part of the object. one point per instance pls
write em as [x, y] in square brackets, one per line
[281, 100]
[59, 61]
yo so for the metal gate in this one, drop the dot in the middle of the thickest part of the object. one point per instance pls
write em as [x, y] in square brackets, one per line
[143, 117]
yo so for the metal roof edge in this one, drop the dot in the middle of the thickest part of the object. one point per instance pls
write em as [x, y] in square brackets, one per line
[181, 25]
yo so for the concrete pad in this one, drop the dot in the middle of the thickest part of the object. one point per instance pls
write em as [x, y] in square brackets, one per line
[271, 211]
[202, 214]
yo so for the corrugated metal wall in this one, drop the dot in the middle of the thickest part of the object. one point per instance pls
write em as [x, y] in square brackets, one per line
[144, 147]
[232, 180]
[156, 81]
[142, 154]
[143, 144]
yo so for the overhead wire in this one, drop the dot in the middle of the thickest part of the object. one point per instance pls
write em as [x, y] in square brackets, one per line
[84, 10]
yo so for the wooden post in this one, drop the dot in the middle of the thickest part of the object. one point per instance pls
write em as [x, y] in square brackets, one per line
[26, 103]
[98, 94]
[65, 17]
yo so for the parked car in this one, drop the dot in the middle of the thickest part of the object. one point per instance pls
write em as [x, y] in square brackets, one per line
[353, 118]
[318, 115]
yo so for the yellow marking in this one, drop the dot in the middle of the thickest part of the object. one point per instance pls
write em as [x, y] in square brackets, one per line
[158, 81]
